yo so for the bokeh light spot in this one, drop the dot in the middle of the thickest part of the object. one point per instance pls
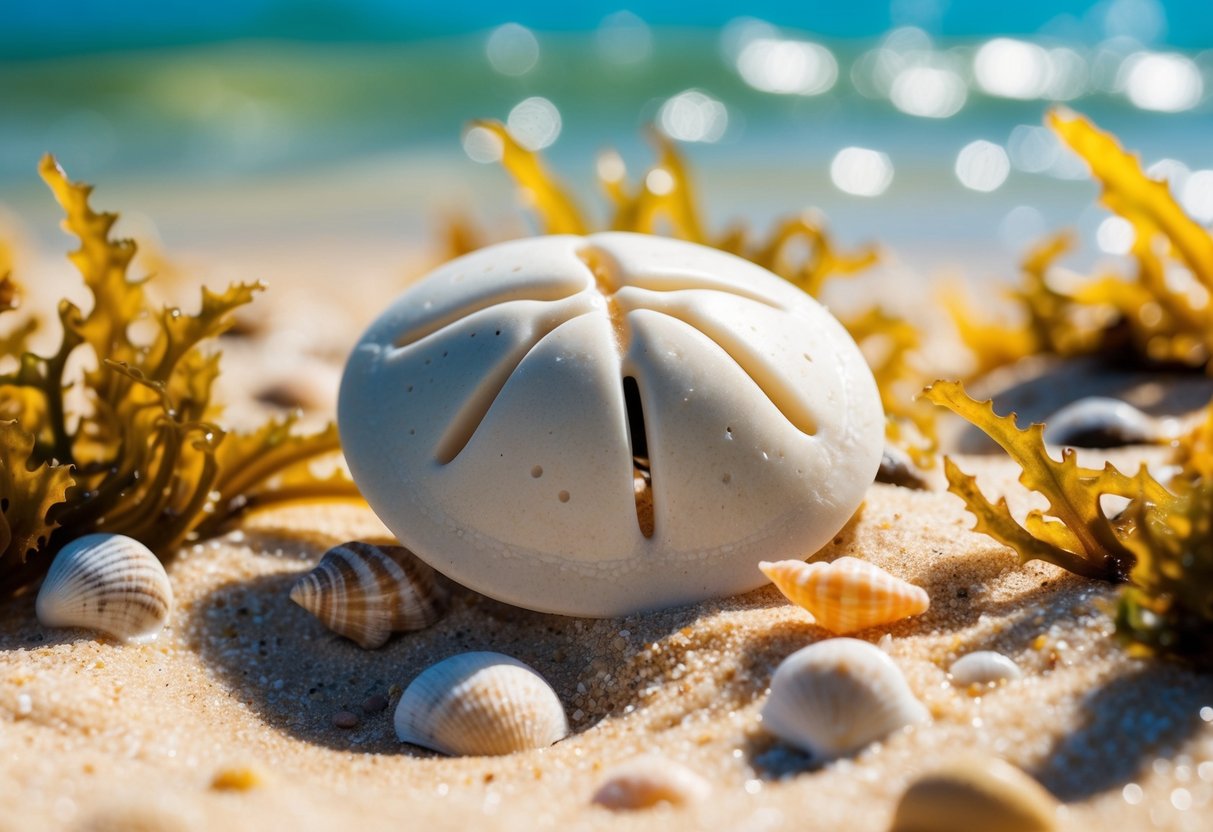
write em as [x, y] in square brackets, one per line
[862, 172]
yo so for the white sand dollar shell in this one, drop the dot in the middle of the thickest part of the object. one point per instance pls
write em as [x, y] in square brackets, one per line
[835, 697]
[497, 414]
[982, 667]
[366, 592]
[109, 583]
[480, 704]
[648, 780]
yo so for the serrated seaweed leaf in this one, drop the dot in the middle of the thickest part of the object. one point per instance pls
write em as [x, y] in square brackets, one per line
[146, 457]
[1128, 191]
[557, 210]
[1080, 538]
[29, 491]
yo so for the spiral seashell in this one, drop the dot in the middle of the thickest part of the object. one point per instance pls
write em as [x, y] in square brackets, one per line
[983, 667]
[834, 697]
[848, 594]
[109, 583]
[480, 704]
[976, 792]
[647, 780]
[367, 592]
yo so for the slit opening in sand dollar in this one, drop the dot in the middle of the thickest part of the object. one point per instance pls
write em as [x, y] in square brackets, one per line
[642, 475]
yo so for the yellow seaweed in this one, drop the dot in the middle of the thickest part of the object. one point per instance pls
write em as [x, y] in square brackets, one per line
[145, 457]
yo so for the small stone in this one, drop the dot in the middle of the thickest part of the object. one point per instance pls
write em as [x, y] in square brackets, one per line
[374, 704]
[25, 705]
[236, 779]
[345, 719]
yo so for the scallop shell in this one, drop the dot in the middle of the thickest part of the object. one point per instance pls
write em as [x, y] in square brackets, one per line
[367, 592]
[976, 792]
[848, 594]
[834, 697]
[110, 583]
[983, 667]
[479, 704]
[647, 780]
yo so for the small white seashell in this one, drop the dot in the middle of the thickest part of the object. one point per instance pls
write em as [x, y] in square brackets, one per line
[109, 583]
[975, 792]
[834, 697]
[1102, 422]
[647, 780]
[479, 704]
[983, 667]
[367, 592]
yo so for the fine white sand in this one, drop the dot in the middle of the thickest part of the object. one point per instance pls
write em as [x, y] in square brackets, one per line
[244, 685]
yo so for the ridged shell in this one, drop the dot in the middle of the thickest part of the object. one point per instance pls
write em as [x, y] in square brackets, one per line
[109, 583]
[976, 792]
[983, 667]
[647, 780]
[480, 704]
[847, 595]
[367, 592]
[836, 696]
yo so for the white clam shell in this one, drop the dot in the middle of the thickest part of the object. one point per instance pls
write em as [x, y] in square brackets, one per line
[480, 704]
[835, 697]
[497, 414]
[109, 583]
[982, 667]
[648, 780]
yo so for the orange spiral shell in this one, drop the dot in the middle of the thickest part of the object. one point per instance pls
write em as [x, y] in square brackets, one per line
[847, 595]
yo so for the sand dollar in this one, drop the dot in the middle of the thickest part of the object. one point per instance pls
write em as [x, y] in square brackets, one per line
[607, 424]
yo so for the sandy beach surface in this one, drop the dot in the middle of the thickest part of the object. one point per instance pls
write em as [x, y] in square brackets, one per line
[226, 722]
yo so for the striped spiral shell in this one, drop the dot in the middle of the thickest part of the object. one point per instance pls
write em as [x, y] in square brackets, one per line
[480, 704]
[109, 583]
[847, 595]
[366, 592]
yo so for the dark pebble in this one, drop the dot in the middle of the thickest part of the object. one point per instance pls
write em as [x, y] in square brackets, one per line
[374, 704]
[345, 719]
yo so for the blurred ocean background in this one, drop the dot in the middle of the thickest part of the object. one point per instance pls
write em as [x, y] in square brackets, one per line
[279, 126]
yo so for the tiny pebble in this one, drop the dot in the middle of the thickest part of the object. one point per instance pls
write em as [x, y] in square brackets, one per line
[374, 704]
[345, 719]
[25, 705]
[237, 779]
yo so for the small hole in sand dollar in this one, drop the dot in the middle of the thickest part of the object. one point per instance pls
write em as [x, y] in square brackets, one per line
[563, 496]
[537, 471]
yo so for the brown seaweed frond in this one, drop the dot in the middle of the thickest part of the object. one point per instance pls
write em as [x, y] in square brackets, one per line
[1160, 545]
[143, 455]
[1159, 315]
